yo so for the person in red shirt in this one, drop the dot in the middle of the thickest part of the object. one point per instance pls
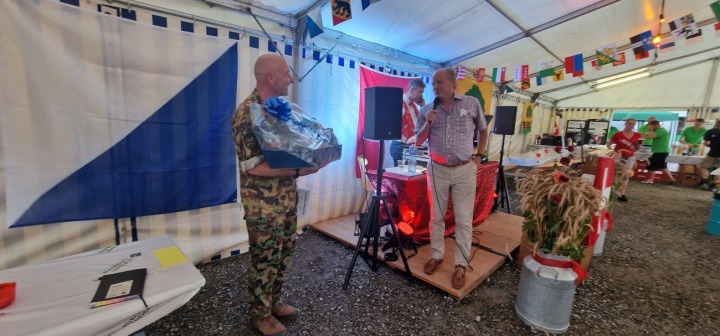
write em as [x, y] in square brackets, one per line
[626, 143]
[412, 103]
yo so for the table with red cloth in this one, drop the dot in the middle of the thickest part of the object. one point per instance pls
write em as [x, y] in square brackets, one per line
[412, 205]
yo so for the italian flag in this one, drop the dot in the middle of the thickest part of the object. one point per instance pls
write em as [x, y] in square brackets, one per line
[498, 75]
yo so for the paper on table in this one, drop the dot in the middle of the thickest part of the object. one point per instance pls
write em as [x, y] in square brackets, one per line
[170, 256]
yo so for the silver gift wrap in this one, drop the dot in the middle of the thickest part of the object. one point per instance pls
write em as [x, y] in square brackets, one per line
[299, 142]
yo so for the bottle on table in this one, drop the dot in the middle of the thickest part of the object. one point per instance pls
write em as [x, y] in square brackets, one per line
[412, 158]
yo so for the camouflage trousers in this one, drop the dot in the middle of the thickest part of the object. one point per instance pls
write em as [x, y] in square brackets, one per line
[272, 242]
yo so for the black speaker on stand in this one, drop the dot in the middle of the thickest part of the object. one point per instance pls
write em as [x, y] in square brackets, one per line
[383, 121]
[504, 125]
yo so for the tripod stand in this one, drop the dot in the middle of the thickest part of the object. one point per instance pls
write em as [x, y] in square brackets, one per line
[501, 189]
[371, 228]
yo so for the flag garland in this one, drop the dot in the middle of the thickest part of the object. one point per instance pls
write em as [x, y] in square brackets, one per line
[641, 44]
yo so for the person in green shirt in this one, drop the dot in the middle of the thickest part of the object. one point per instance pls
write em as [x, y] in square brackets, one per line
[611, 132]
[643, 130]
[660, 151]
[693, 136]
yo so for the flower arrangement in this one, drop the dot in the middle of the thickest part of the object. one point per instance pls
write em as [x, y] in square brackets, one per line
[557, 208]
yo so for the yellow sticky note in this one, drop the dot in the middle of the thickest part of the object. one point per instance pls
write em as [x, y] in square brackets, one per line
[169, 256]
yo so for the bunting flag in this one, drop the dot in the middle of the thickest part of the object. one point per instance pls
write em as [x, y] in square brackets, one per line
[684, 27]
[313, 23]
[556, 130]
[522, 73]
[527, 117]
[595, 65]
[620, 60]
[543, 74]
[460, 72]
[574, 65]
[479, 75]
[642, 44]
[667, 44]
[558, 75]
[717, 29]
[341, 11]
[94, 132]
[498, 75]
[606, 55]
[367, 3]
[715, 6]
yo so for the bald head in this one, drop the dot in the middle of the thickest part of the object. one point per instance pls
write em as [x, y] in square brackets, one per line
[272, 75]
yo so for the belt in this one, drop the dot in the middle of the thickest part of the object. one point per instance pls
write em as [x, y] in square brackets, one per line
[451, 165]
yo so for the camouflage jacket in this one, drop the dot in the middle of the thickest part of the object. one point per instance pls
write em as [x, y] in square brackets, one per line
[261, 196]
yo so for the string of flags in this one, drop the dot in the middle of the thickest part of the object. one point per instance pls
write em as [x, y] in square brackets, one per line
[684, 28]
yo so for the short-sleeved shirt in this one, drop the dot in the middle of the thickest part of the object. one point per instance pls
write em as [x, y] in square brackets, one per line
[642, 130]
[624, 145]
[661, 142]
[713, 136]
[693, 136]
[263, 198]
[451, 134]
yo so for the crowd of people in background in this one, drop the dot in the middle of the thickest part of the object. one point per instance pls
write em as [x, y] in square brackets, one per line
[652, 135]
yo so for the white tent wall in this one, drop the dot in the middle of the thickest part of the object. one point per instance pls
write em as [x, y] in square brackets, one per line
[331, 93]
[216, 232]
[517, 143]
[708, 114]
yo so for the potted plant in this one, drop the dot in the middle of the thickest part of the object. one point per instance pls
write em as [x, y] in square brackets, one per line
[557, 207]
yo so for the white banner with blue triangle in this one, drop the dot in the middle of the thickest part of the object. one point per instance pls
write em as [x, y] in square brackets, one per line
[111, 118]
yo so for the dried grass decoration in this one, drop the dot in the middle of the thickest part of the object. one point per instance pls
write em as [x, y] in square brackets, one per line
[557, 206]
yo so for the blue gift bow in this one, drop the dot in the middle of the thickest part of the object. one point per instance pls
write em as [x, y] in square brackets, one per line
[281, 110]
[278, 108]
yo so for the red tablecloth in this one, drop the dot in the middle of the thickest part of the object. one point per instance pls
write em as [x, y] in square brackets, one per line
[413, 206]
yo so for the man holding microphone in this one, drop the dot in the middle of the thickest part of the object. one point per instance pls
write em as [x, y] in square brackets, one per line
[450, 124]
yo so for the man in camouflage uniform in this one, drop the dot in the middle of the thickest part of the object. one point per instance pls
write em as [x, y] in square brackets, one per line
[269, 198]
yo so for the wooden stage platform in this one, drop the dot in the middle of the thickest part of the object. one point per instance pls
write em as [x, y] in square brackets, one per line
[499, 235]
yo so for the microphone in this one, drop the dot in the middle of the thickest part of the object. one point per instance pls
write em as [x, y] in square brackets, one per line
[436, 102]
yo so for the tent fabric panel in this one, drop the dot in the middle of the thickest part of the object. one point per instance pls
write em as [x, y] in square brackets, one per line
[663, 92]
[533, 13]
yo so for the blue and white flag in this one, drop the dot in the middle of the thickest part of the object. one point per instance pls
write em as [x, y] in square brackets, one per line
[104, 117]
[313, 23]
[367, 3]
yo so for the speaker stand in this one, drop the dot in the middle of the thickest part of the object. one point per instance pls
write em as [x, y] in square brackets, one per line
[371, 229]
[501, 189]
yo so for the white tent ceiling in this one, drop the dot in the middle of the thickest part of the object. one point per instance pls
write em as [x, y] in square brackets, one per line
[507, 33]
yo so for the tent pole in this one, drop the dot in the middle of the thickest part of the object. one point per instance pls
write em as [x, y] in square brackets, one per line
[711, 82]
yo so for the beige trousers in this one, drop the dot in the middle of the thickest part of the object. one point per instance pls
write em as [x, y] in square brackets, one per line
[461, 182]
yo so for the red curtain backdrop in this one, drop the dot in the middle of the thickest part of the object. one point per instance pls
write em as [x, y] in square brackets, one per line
[371, 78]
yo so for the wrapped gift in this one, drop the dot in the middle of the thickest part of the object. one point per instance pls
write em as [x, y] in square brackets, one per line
[292, 138]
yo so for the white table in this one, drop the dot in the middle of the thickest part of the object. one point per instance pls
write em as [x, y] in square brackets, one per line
[685, 159]
[53, 298]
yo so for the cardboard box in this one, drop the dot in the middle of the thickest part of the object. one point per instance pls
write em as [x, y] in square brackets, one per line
[687, 169]
[689, 180]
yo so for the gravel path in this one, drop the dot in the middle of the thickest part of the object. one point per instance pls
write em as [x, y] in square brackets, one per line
[659, 274]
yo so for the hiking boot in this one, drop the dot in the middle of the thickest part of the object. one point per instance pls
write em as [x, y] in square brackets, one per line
[622, 198]
[458, 278]
[268, 326]
[285, 311]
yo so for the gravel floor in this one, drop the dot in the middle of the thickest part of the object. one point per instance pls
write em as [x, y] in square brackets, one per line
[657, 275]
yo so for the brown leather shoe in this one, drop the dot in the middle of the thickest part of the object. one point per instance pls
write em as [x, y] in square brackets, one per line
[268, 326]
[432, 265]
[458, 278]
[285, 311]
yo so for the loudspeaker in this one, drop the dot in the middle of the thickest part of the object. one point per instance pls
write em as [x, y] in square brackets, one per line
[505, 120]
[383, 113]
